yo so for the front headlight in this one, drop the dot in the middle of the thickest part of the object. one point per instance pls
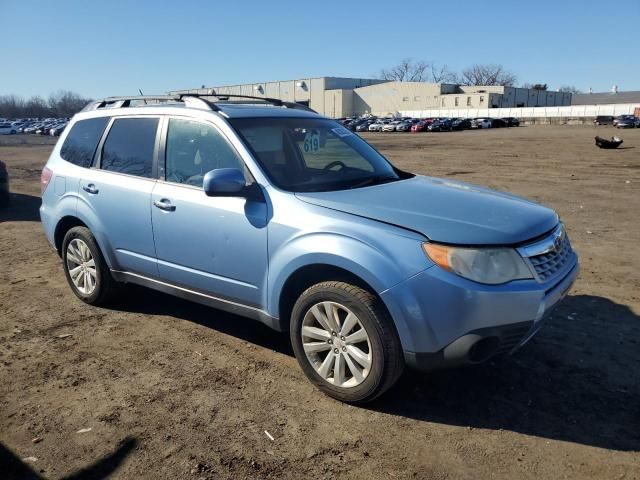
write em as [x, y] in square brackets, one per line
[483, 265]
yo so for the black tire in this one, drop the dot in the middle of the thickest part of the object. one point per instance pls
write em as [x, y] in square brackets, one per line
[5, 199]
[387, 361]
[105, 285]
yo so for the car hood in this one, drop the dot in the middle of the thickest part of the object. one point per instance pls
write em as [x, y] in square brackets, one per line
[444, 211]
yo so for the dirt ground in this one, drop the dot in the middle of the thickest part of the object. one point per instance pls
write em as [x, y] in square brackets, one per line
[171, 389]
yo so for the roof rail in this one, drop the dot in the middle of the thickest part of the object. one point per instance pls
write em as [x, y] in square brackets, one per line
[195, 100]
[226, 96]
[124, 102]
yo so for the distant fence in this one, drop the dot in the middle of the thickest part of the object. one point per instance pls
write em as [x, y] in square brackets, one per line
[579, 113]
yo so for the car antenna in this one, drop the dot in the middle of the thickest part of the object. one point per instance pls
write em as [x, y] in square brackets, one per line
[142, 95]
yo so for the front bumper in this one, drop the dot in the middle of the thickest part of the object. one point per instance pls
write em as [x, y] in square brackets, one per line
[444, 320]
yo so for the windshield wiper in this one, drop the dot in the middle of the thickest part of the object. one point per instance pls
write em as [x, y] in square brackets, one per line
[375, 180]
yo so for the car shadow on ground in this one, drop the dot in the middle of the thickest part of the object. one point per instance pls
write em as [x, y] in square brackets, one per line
[571, 382]
[13, 467]
[150, 302]
[21, 208]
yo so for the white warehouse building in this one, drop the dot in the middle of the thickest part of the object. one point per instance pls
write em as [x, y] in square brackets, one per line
[339, 97]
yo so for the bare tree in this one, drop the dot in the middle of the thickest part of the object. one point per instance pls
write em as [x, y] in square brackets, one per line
[406, 71]
[569, 89]
[409, 70]
[36, 107]
[64, 103]
[11, 106]
[487, 75]
[59, 104]
[441, 74]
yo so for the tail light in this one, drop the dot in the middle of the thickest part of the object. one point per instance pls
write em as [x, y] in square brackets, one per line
[45, 177]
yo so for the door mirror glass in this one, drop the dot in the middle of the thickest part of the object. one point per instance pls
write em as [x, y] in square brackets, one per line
[224, 182]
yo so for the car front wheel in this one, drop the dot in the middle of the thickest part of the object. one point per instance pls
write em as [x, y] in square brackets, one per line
[345, 341]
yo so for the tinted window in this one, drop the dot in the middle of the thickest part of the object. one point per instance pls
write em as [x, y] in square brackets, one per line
[195, 148]
[129, 146]
[82, 141]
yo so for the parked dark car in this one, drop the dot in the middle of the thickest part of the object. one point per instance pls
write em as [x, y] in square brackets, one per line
[4, 184]
[512, 121]
[421, 126]
[440, 125]
[355, 123]
[624, 121]
[404, 126]
[461, 124]
[603, 120]
[364, 126]
[498, 123]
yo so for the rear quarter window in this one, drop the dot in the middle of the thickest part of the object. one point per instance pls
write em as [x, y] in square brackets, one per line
[82, 141]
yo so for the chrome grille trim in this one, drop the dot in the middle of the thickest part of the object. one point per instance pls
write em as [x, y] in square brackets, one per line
[550, 256]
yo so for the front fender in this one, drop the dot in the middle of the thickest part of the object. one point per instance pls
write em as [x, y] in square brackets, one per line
[377, 269]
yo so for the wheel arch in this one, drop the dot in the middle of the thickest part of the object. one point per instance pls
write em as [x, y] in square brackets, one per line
[307, 276]
[65, 224]
[68, 222]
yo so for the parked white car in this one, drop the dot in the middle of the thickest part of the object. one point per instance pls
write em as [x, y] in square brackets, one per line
[481, 123]
[376, 127]
[7, 129]
[390, 127]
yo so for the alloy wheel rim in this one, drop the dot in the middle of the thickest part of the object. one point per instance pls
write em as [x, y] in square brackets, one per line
[336, 344]
[81, 266]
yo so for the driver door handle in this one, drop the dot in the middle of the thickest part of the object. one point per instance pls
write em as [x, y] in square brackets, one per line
[91, 188]
[164, 204]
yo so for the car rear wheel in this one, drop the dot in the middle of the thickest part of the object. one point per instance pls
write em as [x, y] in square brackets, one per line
[345, 342]
[85, 269]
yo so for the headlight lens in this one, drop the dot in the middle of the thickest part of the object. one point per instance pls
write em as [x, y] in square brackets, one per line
[483, 265]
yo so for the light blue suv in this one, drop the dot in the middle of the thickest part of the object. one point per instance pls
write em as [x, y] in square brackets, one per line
[273, 212]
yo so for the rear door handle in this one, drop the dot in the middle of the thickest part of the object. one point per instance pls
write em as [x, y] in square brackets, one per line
[165, 205]
[91, 188]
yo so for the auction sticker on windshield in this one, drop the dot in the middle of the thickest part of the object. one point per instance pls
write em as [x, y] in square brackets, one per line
[341, 132]
[311, 141]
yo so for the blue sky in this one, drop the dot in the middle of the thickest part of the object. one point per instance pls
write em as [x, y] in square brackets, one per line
[115, 47]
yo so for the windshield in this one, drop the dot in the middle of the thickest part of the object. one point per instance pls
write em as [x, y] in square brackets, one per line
[313, 154]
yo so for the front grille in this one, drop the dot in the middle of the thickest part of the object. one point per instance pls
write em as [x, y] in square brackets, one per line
[549, 264]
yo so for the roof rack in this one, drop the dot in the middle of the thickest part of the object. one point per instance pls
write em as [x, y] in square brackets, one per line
[226, 96]
[194, 100]
[124, 102]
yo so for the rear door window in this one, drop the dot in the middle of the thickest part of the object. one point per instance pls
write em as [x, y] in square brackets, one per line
[80, 145]
[130, 146]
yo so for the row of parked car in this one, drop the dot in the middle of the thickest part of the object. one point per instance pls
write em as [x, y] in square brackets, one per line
[40, 126]
[621, 121]
[409, 124]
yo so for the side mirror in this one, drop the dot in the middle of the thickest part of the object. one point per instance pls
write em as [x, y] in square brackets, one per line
[224, 182]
